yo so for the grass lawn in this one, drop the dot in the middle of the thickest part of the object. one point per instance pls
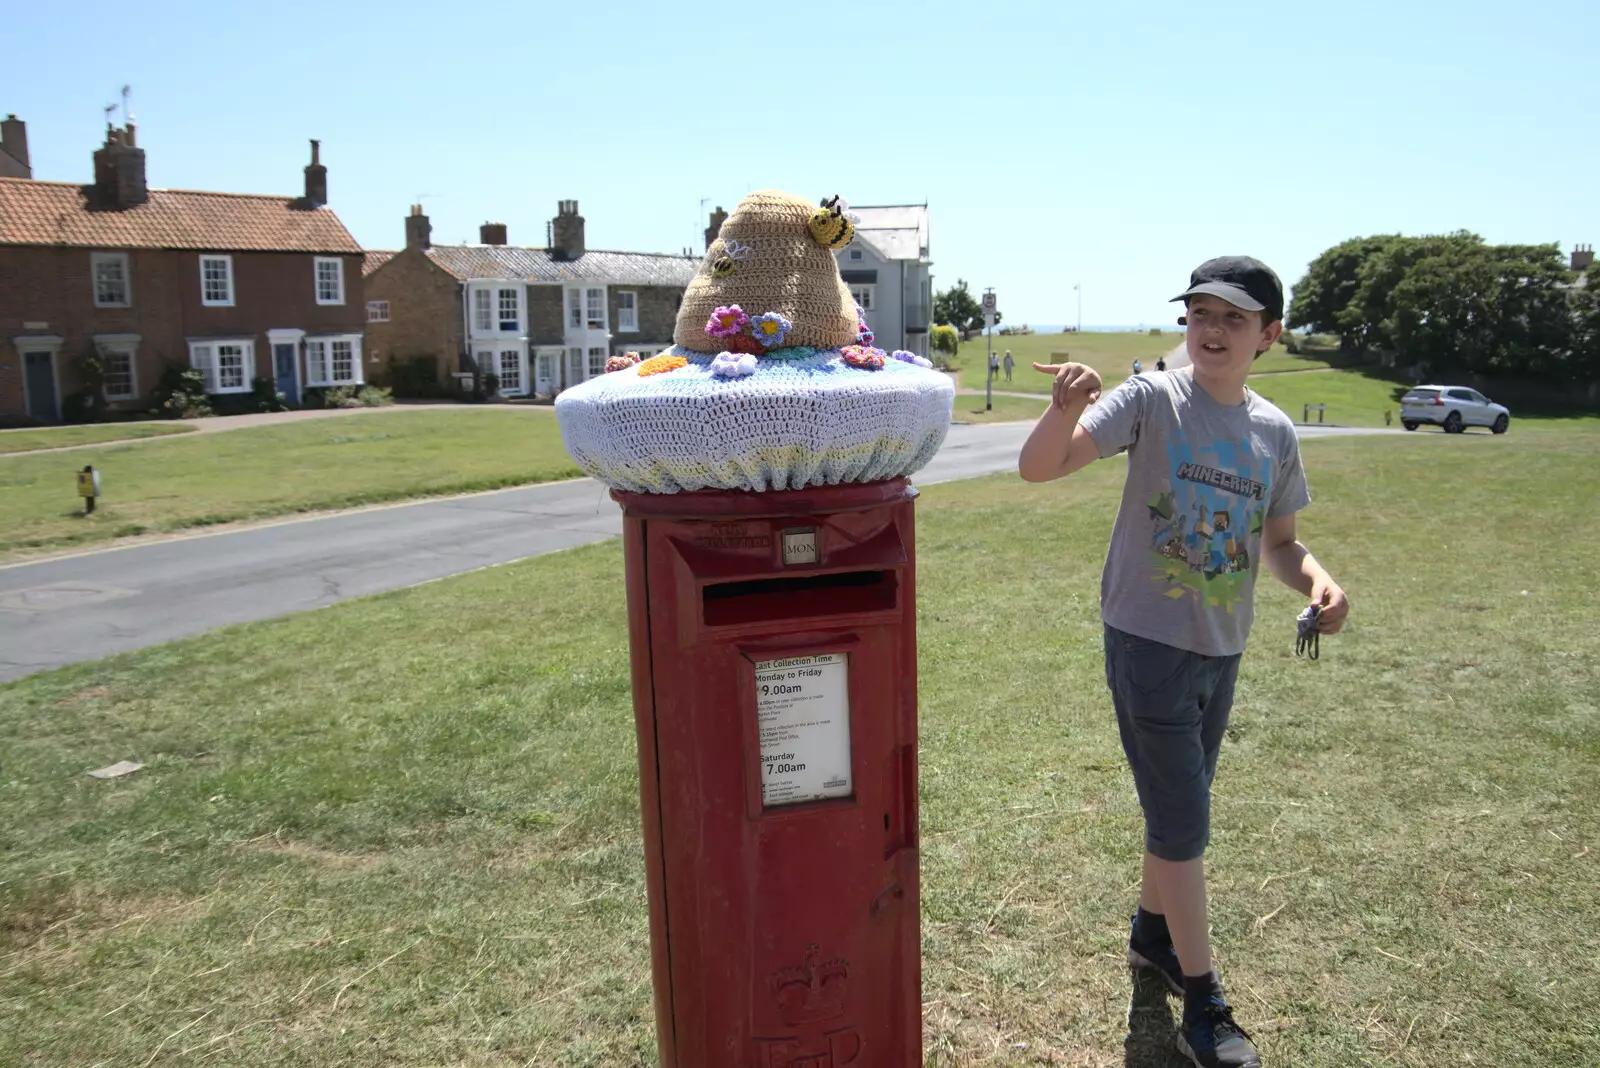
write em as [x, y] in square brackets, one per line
[276, 470]
[1110, 354]
[62, 436]
[404, 830]
[1354, 397]
[1277, 360]
[969, 409]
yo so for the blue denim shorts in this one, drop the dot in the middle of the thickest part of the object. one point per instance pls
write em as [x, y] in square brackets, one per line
[1172, 710]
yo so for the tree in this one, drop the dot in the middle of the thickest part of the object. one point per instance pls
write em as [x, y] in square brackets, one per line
[946, 341]
[960, 309]
[1451, 302]
[1585, 360]
[1330, 284]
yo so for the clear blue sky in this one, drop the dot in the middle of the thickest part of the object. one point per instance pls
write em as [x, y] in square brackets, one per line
[1052, 142]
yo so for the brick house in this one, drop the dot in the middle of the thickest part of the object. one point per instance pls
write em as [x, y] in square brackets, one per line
[540, 319]
[238, 286]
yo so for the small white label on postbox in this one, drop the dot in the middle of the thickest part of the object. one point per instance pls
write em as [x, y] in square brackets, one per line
[803, 722]
[799, 547]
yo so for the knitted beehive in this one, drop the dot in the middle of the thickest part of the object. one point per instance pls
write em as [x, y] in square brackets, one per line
[773, 382]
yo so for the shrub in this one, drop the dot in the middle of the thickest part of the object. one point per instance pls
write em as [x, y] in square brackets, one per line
[416, 376]
[265, 397]
[1155, 331]
[82, 406]
[330, 397]
[181, 394]
[375, 397]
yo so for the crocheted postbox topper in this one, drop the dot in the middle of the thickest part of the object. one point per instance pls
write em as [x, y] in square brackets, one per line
[773, 382]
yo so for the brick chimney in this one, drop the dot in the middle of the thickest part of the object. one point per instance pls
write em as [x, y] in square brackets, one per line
[316, 177]
[1582, 257]
[718, 217]
[14, 145]
[492, 233]
[119, 169]
[419, 231]
[566, 231]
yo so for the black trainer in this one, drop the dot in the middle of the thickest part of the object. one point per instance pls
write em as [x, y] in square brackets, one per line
[1210, 1038]
[1160, 958]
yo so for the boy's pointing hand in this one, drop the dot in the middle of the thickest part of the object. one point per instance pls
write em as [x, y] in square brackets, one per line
[1075, 384]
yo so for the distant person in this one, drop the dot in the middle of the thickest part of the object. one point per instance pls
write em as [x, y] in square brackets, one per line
[1137, 366]
[1161, 363]
[1009, 364]
[994, 366]
[1174, 632]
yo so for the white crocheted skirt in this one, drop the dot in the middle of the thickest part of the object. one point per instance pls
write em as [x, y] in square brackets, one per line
[812, 421]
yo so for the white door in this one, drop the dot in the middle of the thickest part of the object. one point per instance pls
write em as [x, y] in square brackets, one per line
[544, 377]
[574, 367]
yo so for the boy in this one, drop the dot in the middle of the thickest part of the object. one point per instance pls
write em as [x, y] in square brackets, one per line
[1214, 482]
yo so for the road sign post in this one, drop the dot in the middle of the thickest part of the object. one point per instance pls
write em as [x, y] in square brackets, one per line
[88, 488]
[988, 361]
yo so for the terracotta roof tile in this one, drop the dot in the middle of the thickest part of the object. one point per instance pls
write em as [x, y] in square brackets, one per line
[61, 213]
[374, 258]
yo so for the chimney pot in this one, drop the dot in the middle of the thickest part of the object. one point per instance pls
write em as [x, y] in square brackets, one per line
[419, 232]
[567, 231]
[718, 217]
[119, 170]
[316, 178]
[14, 143]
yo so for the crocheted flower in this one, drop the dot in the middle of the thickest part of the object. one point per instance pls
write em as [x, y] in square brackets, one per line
[733, 364]
[770, 329]
[905, 356]
[863, 356]
[864, 333]
[726, 322]
[656, 365]
[622, 363]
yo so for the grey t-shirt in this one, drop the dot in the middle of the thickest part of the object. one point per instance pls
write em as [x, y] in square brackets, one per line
[1202, 479]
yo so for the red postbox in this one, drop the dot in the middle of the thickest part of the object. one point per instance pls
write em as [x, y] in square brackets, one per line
[774, 677]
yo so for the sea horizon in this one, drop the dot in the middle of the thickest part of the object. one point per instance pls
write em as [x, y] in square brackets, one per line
[1096, 328]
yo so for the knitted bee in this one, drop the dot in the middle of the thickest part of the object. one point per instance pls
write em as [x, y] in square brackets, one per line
[831, 225]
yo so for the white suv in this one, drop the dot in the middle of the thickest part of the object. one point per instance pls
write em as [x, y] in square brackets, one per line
[1453, 407]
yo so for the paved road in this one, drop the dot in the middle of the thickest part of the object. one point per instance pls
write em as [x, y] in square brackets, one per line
[84, 607]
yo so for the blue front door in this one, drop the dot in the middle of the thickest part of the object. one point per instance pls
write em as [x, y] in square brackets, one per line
[40, 371]
[284, 365]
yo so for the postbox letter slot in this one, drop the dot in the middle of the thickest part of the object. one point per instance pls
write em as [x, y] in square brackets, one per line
[757, 600]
